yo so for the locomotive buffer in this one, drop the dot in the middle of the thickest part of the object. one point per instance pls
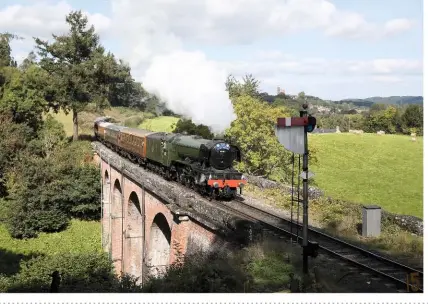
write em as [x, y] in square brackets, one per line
[292, 133]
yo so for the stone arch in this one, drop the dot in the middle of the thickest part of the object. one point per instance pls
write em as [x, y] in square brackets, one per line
[116, 226]
[134, 237]
[159, 245]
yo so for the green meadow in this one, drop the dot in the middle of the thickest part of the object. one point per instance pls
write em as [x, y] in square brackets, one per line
[371, 169]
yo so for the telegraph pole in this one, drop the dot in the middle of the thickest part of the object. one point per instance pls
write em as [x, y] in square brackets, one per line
[304, 113]
[292, 133]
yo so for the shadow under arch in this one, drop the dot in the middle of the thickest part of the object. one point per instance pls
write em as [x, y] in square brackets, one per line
[116, 227]
[134, 237]
[159, 246]
[106, 212]
[106, 177]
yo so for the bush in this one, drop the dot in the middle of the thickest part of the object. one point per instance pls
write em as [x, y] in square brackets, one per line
[186, 125]
[24, 223]
[149, 115]
[133, 121]
[13, 138]
[213, 272]
[91, 272]
[45, 193]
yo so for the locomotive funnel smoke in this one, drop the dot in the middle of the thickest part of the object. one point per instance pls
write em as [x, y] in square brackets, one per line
[192, 86]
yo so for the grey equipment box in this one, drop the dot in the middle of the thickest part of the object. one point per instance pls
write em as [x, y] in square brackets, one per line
[371, 221]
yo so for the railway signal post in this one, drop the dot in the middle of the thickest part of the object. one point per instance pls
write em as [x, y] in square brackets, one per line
[292, 133]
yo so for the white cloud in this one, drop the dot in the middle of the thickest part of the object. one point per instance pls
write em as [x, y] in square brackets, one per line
[244, 21]
[319, 75]
[387, 79]
[154, 33]
[161, 27]
[41, 19]
[288, 64]
[398, 25]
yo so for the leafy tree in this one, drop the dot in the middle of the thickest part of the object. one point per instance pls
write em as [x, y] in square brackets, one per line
[45, 192]
[187, 126]
[25, 94]
[29, 61]
[81, 70]
[52, 135]
[125, 92]
[6, 58]
[30, 207]
[13, 138]
[413, 117]
[249, 86]
[301, 98]
[253, 132]
[376, 107]
[385, 118]
[151, 103]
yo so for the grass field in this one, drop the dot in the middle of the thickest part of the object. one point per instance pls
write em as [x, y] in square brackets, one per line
[371, 169]
[159, 124]
[80, 237]
[66, 120]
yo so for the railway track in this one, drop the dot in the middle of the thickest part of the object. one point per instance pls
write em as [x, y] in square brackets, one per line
[392, 271]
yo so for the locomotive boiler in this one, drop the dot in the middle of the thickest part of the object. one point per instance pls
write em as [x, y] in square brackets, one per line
[201, 164]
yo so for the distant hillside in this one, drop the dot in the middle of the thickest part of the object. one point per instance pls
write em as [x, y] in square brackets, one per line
[397, 100]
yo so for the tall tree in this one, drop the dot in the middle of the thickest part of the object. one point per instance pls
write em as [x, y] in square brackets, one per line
[79, 67]
[302, 98]
[413, 119]
[6, 58]
[249, 86]
[29, 61]
[253, 131]
[188, 126]
[126, 92]
[25, 94]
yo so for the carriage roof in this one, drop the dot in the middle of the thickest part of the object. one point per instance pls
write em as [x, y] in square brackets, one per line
[137, 132]
[115, 127]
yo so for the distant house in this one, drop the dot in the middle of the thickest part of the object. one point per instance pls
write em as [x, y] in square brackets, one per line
[322, 109]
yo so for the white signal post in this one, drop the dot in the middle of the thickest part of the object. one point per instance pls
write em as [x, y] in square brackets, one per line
[292, 134]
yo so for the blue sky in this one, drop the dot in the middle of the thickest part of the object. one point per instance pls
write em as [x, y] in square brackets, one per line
[252, 38]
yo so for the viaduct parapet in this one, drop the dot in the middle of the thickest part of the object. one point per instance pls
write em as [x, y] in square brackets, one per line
[147, 222]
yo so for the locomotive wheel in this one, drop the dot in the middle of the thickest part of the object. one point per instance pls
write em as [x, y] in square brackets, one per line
[213, 194]
[167, 175]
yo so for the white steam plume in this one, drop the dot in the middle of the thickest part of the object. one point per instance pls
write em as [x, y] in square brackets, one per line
[191, 86]
[152, 34]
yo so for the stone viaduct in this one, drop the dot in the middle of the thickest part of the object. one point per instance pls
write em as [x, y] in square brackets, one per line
[147, 222]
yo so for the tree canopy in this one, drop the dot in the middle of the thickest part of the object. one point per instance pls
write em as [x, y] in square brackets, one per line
[81, 70]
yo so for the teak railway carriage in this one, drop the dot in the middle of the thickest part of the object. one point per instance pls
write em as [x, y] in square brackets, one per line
[202, 164]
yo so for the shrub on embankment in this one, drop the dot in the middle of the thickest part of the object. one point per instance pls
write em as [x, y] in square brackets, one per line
[266, 266]
[401, 235]
[47, 181]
